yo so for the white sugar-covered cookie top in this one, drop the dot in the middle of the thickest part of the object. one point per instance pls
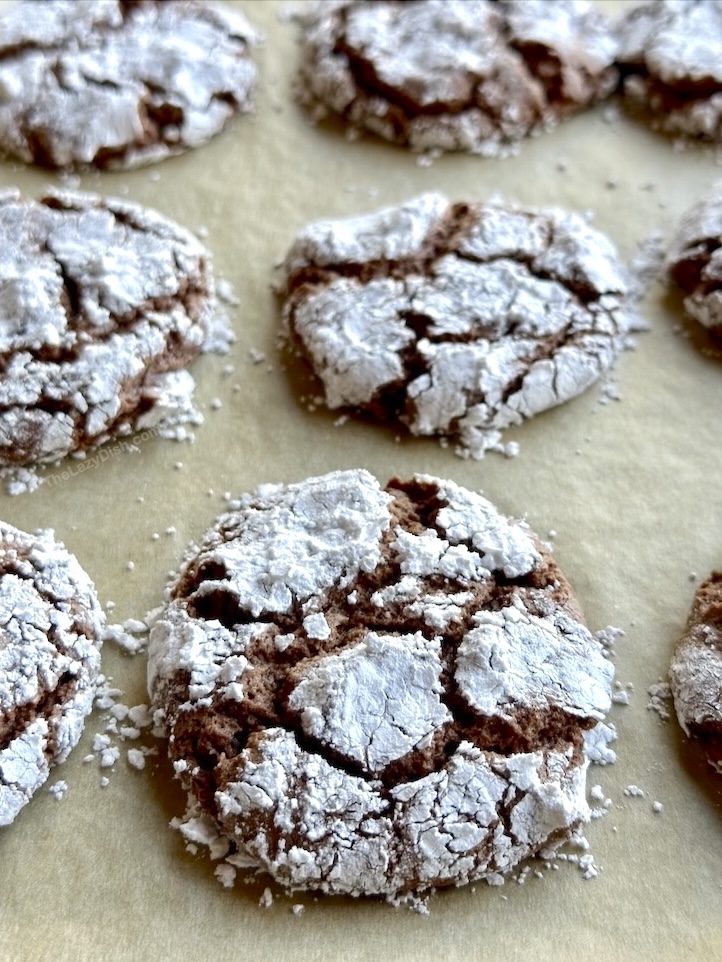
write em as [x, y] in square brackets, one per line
[103, 303]
[456, 319]
[409, 652]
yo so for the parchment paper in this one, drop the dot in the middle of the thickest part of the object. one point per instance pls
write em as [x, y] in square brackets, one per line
[631, 488]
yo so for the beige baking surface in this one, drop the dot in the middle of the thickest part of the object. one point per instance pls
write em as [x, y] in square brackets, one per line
[631, 488]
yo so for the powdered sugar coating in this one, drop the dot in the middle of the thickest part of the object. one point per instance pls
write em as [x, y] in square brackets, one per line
[103, 301]
[376, 701]
[671, 54]
[49, 660]
[459, 320]
[694, 260]
[334, 730]
[513, 657]
[115, 84]
[454, 74]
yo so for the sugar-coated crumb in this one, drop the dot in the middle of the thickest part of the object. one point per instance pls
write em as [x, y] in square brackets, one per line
[634, 791]
[226, 874]
[136, 758]
[58, 789]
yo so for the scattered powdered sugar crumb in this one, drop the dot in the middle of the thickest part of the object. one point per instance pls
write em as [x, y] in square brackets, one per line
[122, 723]
[660, 695]
[219, 335]
[584, 862]
[597, 741]
[131, 636]
[657, 807]
[256, 356]
[622, 694]
[226, 293]
[266, 899]
[633, 791]
[607, 638]
[226, 874]
[298, 909]
[199, 829]
[647, 266]
[20, 480]
[136, 758]
[58, 789]
[609, 391]
[596, 793]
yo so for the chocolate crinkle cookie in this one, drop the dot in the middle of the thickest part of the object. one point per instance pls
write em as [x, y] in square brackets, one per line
[671, 59]
[103, 305]
[694, 261]
[696, 671]
[456, 319]
[377, 691]
[50, 643]
[474, 75]
[118, 83]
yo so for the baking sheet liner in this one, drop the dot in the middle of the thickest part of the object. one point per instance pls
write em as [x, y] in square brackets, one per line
[631, 489]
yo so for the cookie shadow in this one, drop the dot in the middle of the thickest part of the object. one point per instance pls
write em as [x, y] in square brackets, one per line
[690, 330]
[692, 760]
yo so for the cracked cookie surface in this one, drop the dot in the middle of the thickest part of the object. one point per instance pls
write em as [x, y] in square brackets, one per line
[50, 636]
[104, 303]
[457, 320]
[694, 261]
[696, 670]
[377, 691]
[454, 74]
[118, 83]
[671, 58]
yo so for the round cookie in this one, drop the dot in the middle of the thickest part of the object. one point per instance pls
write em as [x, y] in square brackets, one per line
[694, 261]
[671, 59]
[458, 319]
[49, 660]
[103, 303]
[695, 673]
[117, 84]
[377, 691]
[467, 75]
